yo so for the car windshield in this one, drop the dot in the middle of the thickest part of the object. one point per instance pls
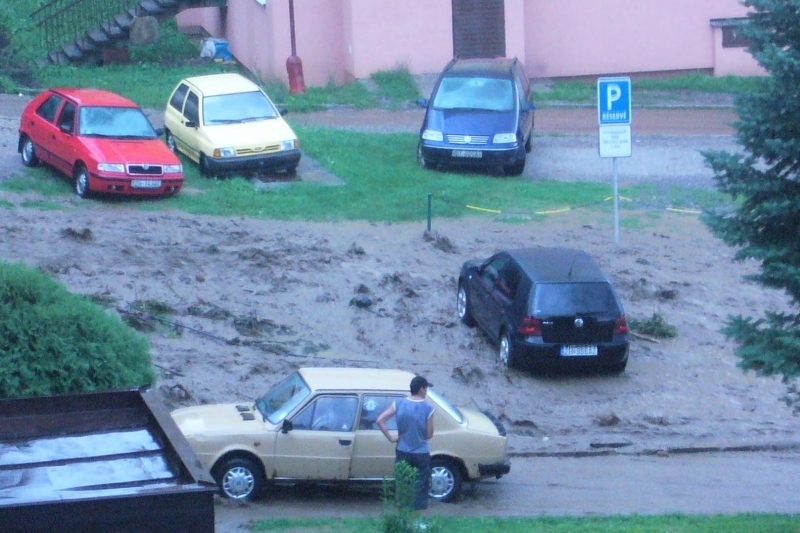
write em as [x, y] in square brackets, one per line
[117, 122]
[568, 299]
[237, 107]
[489, 94]
[283, 398]
[448, 407]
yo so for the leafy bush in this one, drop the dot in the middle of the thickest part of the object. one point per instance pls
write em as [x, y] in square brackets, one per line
[655, 326]
[55, 342]
[398, 514]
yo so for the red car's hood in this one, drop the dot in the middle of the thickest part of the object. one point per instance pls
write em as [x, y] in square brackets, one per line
[145, 151]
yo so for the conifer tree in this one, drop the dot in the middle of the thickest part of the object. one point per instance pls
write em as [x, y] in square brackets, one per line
[764, 181]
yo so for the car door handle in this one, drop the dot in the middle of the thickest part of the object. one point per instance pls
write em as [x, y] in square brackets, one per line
[345, 442]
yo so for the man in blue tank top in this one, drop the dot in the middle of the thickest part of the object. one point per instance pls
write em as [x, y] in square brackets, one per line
[414, 429]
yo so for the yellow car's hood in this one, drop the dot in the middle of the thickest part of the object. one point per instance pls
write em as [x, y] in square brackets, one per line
[258, 132]
[227, 418]
[478, 421]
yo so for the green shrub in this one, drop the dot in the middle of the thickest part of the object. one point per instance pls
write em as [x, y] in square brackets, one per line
[398, 514]
[55, 342]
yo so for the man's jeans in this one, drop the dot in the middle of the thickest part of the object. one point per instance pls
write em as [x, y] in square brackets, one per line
[422, 462]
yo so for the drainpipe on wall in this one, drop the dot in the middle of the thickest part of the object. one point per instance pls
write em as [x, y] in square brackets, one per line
[294, 67]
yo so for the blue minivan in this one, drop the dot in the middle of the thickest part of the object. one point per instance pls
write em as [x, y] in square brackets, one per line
[480, 114]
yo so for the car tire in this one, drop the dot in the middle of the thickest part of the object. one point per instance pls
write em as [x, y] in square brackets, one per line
[616, 367]
[28, 152]
[172, 144]
[446, 479]
[240, 479]
[81, 181]
[505, 352]
[462, 306]
[424, 163]
[516, 168]
[205, 168]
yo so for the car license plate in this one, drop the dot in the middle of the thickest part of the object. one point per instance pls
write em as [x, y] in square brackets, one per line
[145, 184]
[579, 350]
[474, 154]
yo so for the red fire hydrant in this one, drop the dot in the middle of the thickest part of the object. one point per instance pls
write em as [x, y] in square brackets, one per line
[295, 69]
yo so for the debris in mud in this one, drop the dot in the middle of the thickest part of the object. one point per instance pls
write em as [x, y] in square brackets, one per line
[468, 374]
[355, 250]
[253, 326]
[208, 310]
[79, 235]
[362, 301]
[176, 392]
[442, 243]
[606, 420]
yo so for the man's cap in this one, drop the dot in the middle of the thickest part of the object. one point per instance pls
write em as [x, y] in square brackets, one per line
[418, 382]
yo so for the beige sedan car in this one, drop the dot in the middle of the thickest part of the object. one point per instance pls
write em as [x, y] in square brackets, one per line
[319, 424]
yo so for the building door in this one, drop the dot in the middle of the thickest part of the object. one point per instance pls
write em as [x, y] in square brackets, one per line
[479, 28]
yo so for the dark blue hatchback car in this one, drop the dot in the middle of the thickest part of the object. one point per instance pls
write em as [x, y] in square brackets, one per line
[480, 114]
[545, 307]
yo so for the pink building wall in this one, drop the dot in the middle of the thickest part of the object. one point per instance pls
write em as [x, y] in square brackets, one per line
[339, 40]
[580, 37]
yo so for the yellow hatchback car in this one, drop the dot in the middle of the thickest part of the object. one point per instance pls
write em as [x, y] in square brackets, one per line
[319, 424]
[225, 122]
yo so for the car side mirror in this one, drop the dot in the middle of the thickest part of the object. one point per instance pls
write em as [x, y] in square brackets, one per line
[283, 111]
[66, 128]
[160, 131]
[287, 426]
[191, 124]
[422, 102]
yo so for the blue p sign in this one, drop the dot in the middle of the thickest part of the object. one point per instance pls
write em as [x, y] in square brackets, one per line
[614, 101]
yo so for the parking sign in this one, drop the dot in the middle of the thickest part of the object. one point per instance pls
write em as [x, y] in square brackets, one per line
[613, 101]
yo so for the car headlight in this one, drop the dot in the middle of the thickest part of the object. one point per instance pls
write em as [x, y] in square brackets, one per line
[173, 169]
[225, 152]
[432, 135]
[111, 167]
[504, 138]
[291, 144]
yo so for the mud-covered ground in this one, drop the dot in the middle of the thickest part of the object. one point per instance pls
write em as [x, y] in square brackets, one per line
[242, 302]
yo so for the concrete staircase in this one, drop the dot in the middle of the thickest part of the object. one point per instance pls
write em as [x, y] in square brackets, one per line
[105, 34]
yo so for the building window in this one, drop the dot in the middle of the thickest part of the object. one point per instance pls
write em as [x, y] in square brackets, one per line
[732, 36]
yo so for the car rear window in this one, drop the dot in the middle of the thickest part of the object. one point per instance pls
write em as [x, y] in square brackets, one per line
[565, 299]
[490, 94]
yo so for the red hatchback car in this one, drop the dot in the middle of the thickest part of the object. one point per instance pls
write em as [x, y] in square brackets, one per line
[101, 140]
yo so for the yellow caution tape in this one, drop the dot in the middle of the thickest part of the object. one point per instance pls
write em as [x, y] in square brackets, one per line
[475, 207]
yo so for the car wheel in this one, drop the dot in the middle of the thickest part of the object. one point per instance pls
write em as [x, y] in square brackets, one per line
[28, 153]
[205, 168]
[446, 480]
[424, 163]
[616, 367]
[506, 351]
[82, 182]
[240, 479]
[462, 306]
[172, 144]
[516, 168]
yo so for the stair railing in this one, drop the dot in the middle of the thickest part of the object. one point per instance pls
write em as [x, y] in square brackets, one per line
[60, 21]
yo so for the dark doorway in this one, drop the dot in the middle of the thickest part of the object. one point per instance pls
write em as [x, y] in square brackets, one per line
[479, 28]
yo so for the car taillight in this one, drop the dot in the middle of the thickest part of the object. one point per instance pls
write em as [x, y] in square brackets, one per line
[621, 326]
[530, 327]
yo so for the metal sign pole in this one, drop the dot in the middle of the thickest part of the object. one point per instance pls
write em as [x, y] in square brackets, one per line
[616, 203]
